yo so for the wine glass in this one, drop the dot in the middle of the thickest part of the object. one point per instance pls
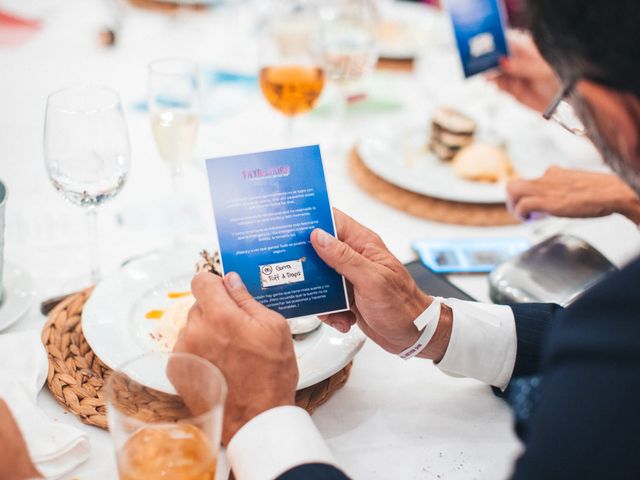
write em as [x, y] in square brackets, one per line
[86, 151]
[348, 45]
[174, 102]
[165, 414]
[291, 79]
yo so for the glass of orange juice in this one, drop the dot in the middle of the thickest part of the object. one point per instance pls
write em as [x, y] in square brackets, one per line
[165, 415]
[291, 78]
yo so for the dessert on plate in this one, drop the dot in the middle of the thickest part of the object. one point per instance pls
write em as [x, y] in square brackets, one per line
[451, 131]
[174, 317]
[453, 140]
[481, 162]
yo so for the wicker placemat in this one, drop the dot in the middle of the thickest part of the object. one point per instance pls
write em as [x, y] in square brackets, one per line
[76, 375]
[395, 64]
[167, 6]
[427, 207]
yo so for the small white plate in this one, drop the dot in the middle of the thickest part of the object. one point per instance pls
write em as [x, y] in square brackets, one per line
[19, 292]
[114, 323]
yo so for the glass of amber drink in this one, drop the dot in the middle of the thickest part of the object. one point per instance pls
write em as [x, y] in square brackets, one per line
[291, 79]
[165, 416]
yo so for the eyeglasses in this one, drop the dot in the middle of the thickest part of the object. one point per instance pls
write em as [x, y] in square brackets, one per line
[563, 113]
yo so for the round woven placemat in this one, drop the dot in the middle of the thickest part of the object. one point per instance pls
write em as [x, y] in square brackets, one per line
[444, 211]
[396, 65]
[76, 375]
[167, 6]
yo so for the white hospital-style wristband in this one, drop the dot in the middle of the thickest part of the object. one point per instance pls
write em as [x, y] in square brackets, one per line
[427, 323]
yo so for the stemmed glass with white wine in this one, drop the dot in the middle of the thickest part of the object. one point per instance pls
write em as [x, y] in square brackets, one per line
[291, 78]
[86, 151]
[174, 103]
[348, 45]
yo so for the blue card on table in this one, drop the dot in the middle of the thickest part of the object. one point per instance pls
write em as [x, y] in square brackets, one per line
[479, 28]
[265, 206]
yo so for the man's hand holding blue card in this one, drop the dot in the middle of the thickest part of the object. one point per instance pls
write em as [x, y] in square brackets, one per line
[266, 205]
[479, 28]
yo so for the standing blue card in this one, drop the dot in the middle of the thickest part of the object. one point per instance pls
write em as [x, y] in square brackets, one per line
[479, 29]
[266, 205]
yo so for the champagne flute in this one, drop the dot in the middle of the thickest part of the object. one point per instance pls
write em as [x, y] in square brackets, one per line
[174, 102]
[348, 45]
[290, 77]
[86, 151]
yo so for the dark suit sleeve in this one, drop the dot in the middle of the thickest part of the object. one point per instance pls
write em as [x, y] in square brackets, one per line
[313, 471]
[533, 324]
[585, 426]
[587, 423]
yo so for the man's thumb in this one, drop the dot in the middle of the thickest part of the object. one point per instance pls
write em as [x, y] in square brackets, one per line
[340, 256]
[239, 294]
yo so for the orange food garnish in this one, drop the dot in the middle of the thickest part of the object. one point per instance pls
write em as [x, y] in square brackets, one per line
[178, 294]
[154, 314]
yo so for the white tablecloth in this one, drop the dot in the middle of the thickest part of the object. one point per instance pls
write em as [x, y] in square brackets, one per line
[393, 419]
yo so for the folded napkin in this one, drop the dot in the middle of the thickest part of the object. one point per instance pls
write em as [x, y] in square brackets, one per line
[55, 449]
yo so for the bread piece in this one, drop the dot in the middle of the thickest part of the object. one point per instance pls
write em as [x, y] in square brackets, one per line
[483, 163]
[454, 121]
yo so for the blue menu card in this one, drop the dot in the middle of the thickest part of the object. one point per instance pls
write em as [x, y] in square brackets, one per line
[479, 29]
[265, 206]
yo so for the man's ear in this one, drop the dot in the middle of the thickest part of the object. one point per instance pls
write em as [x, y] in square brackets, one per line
[617, 116]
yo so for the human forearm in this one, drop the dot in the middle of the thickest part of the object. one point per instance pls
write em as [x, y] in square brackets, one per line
[533, 323]
[15, 463]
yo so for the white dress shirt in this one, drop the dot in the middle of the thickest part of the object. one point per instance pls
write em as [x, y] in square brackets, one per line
[482, 346]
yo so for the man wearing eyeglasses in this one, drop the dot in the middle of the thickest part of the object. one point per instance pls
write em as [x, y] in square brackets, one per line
[586, 421]
[562, 192]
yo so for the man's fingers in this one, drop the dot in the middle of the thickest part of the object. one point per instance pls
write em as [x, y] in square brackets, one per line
[528, 205]
[553, 182]
[517, 189]
[211, 294]
[341, 257]
[241, 296]
[341, 321]
[524, 59]
[194, 316]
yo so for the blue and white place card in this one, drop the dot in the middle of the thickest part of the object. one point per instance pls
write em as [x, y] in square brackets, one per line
[479, 28]
[265, 206]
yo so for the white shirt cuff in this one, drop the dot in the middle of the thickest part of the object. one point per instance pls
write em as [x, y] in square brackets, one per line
[483, 342]
[274, 442]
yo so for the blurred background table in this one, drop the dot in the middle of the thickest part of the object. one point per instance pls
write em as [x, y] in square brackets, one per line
[394, 418]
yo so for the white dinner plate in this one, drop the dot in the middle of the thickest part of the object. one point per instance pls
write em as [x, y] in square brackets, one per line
[399, 40]
[114, 323]
[19, 292]
[409, 30]
[403, 159]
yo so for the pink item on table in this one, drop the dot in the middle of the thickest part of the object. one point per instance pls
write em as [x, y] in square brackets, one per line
[16, 30]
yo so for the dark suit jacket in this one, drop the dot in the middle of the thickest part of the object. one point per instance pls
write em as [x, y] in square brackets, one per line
[587, 423]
